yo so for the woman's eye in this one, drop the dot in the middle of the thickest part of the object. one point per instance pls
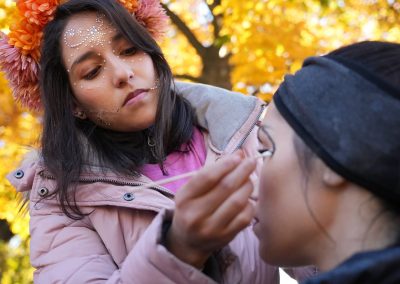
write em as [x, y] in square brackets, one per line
[265, 152]
[265, 143]
[129, 51]
[92, 73]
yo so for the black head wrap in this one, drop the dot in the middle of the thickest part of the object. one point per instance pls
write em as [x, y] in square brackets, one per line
[350, 118]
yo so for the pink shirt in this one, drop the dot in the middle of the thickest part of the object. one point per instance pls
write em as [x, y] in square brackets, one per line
[180, 162]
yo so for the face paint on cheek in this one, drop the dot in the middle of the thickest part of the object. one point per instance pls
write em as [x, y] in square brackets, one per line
[101, 120]
[101, 115]
[156, 85]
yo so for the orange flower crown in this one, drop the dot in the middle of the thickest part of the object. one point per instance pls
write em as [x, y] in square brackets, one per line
[20, 49]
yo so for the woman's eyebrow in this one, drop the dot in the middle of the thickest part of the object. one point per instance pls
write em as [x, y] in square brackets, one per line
[117, 37]
[83, 57]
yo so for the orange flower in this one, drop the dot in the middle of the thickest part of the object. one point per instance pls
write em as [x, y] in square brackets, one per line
[22, 72]
[130, 5]
[38, 12]
[26, 36]
[29, 96]
[20, 51]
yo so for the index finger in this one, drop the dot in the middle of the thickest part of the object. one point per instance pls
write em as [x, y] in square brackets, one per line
[208, 177]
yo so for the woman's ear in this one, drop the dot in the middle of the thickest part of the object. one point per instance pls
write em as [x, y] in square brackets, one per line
[331, 178]
[79, 113]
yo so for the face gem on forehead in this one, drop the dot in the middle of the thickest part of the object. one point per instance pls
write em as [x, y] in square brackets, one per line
[94, 35]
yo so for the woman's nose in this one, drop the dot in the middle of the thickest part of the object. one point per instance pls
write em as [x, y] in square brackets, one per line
[122, 72]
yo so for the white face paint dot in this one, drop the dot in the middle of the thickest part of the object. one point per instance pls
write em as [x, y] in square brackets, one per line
[94, 35]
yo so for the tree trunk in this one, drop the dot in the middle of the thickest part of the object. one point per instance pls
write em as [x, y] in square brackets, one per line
[5, 232]
[216, 70]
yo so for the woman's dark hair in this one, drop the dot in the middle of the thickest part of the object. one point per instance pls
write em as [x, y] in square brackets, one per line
[380, 58]
[63, 147]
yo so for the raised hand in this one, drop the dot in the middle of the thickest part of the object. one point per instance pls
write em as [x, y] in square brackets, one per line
[211, 209]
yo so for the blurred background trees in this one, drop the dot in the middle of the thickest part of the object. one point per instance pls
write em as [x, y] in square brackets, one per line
[250, 45]
[247, 46]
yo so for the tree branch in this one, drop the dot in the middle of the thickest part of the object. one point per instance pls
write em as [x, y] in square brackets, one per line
[214, 4]
[215, 21]
[200, 49]
[255, 92]
[188, 77]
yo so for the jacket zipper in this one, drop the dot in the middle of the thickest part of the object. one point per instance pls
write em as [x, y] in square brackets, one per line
[251, 128]
[113, 181]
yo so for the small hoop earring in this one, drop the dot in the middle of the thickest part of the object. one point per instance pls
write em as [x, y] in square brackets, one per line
[150, 141]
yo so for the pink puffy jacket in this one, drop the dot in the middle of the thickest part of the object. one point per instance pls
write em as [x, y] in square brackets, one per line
[119, 241]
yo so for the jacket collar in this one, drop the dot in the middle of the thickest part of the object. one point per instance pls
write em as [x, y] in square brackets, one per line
[380, 266]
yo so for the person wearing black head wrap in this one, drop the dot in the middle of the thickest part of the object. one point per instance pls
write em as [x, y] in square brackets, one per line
[330, 187]
[349, 118]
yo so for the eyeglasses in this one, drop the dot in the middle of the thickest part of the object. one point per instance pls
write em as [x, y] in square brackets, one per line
[267, 144]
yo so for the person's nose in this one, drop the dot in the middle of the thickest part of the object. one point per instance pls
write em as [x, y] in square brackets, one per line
[122, 72]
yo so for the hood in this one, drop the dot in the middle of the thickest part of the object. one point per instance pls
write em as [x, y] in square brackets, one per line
[22, 177]
[221, 112]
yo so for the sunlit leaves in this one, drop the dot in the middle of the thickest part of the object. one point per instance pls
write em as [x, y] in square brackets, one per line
[7, 8]
[270, 38]
[265, 40]
[19, 130]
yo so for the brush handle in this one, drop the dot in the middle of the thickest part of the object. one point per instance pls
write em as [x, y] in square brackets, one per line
[188, 174]
[171, 179]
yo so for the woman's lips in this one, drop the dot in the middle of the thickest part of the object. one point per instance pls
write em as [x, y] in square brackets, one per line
[135, 96]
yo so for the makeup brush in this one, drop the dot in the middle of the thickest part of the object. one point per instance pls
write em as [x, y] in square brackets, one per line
[190, 174]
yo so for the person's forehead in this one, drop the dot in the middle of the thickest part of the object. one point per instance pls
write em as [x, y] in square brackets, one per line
[85, 19]
[86, 28]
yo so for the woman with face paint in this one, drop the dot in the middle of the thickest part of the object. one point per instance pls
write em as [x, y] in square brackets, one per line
[330, 190]
[114, 128]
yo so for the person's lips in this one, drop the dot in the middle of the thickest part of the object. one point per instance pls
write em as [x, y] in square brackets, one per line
[131, 96]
